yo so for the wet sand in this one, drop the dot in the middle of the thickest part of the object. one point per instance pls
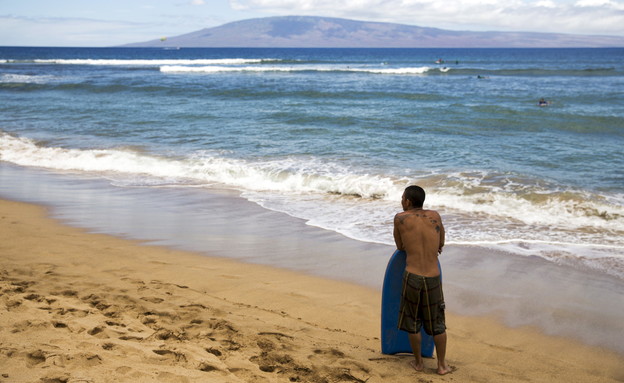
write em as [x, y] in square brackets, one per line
[83, 307]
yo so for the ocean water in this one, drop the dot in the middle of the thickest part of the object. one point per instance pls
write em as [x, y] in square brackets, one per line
[333, 136]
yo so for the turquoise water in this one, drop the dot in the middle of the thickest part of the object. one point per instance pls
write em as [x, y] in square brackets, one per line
[332, 136]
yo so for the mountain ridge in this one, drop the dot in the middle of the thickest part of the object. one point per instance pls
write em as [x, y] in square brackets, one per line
[328, 32]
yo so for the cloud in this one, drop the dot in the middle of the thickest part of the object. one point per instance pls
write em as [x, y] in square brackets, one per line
[546, 4]
[594, 3]
[46, 31]
[557, 16]
[73, 31]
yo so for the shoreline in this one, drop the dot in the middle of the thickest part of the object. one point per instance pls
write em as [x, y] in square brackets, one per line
[517, 291]
[78, 305]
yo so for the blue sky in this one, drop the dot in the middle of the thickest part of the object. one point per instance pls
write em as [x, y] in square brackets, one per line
[114, 22]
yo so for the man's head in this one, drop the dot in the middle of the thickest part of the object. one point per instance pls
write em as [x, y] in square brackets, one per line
[415, 196]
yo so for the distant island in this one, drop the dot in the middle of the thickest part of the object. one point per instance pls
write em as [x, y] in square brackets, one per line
[327, 32]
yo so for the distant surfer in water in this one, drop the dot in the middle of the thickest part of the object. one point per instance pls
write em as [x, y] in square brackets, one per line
[420, 234]
[543, 102]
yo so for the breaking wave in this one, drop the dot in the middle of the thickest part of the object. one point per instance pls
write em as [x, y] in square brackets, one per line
[503, 211]
[143, 62]
[302, 68]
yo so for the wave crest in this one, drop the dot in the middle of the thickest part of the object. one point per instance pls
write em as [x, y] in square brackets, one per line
[145, 62]
[301, 68]
[503, 211]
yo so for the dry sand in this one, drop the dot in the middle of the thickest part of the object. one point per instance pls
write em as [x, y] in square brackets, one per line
[80, 307]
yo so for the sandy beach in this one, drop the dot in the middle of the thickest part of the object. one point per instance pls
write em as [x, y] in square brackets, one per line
[82, 307]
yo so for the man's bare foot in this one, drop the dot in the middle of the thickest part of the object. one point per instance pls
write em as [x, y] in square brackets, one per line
[445, 369]
[419, 368]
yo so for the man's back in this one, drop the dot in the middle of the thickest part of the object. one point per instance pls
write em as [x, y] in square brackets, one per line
[420, 234]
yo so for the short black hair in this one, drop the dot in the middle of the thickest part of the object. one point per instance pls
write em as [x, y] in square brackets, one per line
[416, 195]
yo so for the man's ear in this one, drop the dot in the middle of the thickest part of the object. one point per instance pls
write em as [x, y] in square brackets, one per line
[408, 204]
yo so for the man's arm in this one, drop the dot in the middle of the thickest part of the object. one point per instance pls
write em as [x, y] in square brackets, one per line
[442, 235]
[397, 235]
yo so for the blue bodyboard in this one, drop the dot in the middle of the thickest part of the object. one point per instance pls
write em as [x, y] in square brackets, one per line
[393, 340]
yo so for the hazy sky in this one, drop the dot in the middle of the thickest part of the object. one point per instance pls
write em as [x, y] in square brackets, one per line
[114, 22]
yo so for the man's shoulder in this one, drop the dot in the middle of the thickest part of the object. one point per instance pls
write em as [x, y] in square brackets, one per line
[400, 216]
[433, 214]
[409, 214]
[417, 213]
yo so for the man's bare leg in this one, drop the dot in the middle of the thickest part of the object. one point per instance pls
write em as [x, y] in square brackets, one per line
[440, 345]
[415, 343]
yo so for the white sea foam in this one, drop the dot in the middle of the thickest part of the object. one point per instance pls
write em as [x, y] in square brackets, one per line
[217, 69]
[525, 219]
[25, 79]
[289, 176]
[405, 71]
[298, 68]
[553, 210]
[150, 62]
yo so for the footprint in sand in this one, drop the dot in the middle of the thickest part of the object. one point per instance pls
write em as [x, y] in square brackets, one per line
[96, 301]
[110, 330]
[56, 378]
[17, 287]
[63, 311]
[87, 359]
[13, 304]
[57, 324]
[34, 297]
[96, 330]
[66, 293]
[274, 357]
[35, 357]
[172, 356]
[329, 354]
[214, 351]
[168, 335]
[269, 361]
[152, 299]
[29, 324]
[206, 367]
[177, 358]
[339, 366]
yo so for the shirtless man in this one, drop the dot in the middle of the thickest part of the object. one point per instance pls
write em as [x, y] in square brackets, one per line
[420, 234]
